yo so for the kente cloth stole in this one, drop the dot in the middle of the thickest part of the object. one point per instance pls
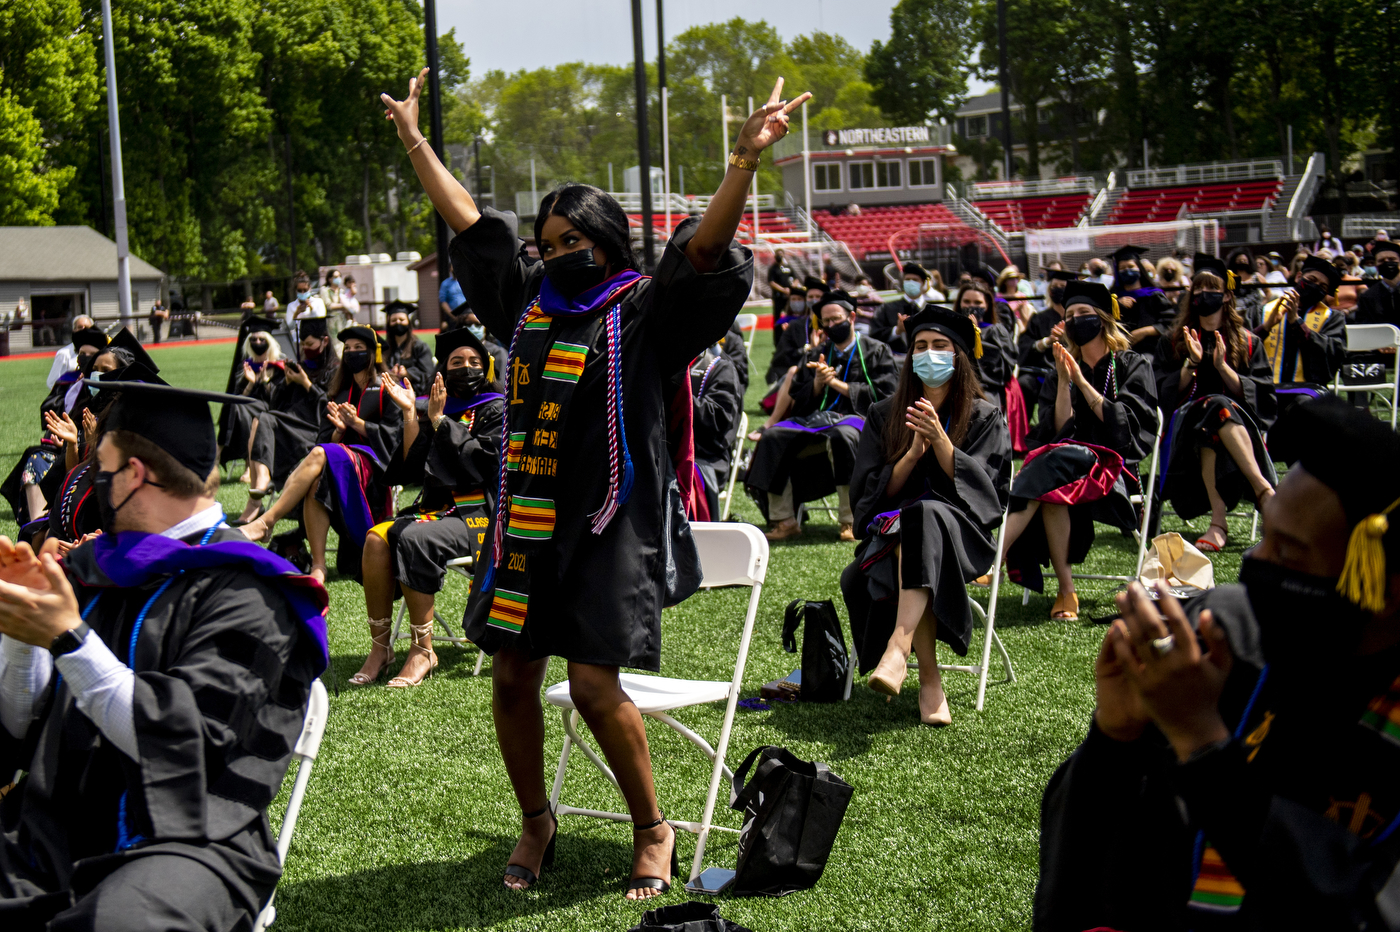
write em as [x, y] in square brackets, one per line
[1274, 348]
[544, 371]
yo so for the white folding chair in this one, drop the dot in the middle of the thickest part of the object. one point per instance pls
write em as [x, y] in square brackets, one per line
[730, 555]
[1371, 337]
[748, 326]
[728, 492]
[308, 744]
[463, 567]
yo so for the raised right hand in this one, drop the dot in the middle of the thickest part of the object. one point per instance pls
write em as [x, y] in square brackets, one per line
[1193, 345]
[1064, 364]
[397, 393]
[1118, 707]
[437, 399]
[61, 426]
[20, 565]
[298, 376]
[404, 112]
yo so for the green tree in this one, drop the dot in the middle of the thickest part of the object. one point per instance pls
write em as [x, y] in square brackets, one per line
[1033, 37]
[29, 188]
[922, 71]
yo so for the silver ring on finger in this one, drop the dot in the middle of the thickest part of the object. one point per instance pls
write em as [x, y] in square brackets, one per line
[1164, 646]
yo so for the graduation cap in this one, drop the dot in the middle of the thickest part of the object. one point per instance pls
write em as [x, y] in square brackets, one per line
[1337, 443]
[126, 340]
[1124, 253]
[1315, 264]
[311, 327]
[90, 336]
[452, 339]
[957, 327]
[1378, 246]
[1093, 294]
[837, 297]
[812, 283]
[1204, 262]
[259, 324]
[175, 419]
[1061, 275]
[400, 307]
[985, 274]
[913, 268]
[367, 335]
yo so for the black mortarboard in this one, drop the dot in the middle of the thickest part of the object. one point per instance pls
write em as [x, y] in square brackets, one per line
[259, 324]
[811, 282]
[90, 336]
[1062, 275]
[311, 327]
[394, 307]
[1378, 246]
[1129, 251]
[1337, 444]
[175, 419]
[1094, 294]
[1204, 262]
[913, 268]
[366, 334]
[109, 384]
[126, 340]
[986, 275]
[452, 339]
[1314, 264]
[838, 297]
[957, 327]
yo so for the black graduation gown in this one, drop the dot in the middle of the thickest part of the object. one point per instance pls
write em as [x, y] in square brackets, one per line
[819, 418]
[733, 347]
[13, 487]
[1128, 427]
[1379, 304]
[383, 430]
[787, 349]
[1321, 352]
[598, 598]
[997, 364]
[716, 402]
[943, 524]
[292, 423]
[1033, 366]
[223, 670]
[1121, 821]
[236, 421]
[456, 466]
[417, 360]
[887, 318]
[74, 512]
[1193, 418]
[1154, 310]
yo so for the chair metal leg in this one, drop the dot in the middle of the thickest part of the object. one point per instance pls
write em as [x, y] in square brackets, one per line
[563, 760]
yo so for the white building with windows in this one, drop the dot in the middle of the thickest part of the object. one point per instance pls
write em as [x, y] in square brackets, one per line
[869, 166]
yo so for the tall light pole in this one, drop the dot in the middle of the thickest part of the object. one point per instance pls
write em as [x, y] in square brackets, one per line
[1004, 80]
[643, 143]
[665, 116]
[444, 267]
[118, 187]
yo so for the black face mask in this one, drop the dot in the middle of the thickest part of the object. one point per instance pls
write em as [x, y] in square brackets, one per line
[1310, 296]
[1389, 268]
[464, 382]
[357, 361]
[1083, 329]
[1128, 277]
[258, 346]
[574, 272]
[1207, 303]
[839, 333]
[102, 485]
[1298, 613]
[1057, 296]
[397, 330]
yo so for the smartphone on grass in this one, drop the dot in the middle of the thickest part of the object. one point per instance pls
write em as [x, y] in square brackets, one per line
[712, 881]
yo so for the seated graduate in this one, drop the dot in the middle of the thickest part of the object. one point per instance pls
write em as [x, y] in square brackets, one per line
[1034, 357]
[1145, 310]
[930, 482]
[998, 360]
[1234, 777]
[406, 356]
[341, 483]
[811, 454]
[1305, 336]
[155, 683]
[733, 347]
[888, 323]
[717, 400]
[1380, 303]
[792, 340]
[245, 430]
[1214, 385]
[1102, 403]
[451, 449]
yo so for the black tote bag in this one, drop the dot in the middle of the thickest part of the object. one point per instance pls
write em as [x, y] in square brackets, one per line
[792, 811]
[824, 658]
[686, 917]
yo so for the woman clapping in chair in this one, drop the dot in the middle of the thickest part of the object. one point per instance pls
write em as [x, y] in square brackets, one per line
[930, 485]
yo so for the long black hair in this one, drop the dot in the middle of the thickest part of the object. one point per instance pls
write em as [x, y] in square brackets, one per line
[963, 392]
[596, 215]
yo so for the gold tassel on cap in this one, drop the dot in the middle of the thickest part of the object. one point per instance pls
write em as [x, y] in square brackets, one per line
[1230, 280]
[491, 368]
[976, 342]
[1114, 298]
[1363, 579]
[379, 352]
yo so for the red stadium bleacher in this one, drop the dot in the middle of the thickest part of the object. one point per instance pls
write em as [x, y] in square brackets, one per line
[1038, 213]
[872, 229]
[769, 221]
[1154, 205]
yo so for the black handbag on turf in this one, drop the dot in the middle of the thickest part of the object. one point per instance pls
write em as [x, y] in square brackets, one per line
[824, 658]
[686, 917]
[792, 811]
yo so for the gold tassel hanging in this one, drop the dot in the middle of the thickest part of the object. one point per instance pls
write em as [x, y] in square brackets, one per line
[378, 352]
[1116, 315]
[490, 369]
[976, 342]
[1363, 579]
[1230, 280]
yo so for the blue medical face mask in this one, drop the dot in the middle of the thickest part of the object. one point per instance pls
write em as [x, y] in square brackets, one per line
[913, 289]
[303, 295]
[934, 367]
[477, 330]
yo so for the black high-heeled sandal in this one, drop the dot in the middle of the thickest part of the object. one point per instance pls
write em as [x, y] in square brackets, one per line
[656, 883]
[524, 873]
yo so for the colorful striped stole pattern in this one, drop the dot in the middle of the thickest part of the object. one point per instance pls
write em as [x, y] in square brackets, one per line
[536, 319]
[515, 446]
[1216, 889]
[1384, 714]
[475, 499]
[531, 518]
[565, 361]
[508, 610]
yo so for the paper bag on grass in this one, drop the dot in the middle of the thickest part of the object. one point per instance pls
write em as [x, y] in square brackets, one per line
[1177, 562]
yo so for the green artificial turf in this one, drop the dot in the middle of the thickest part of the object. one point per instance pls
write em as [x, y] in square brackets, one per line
[410, 818]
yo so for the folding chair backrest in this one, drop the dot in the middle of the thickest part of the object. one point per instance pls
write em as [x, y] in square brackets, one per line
[307, 746]
[1371, 336]
[730, 554]
[748, 324]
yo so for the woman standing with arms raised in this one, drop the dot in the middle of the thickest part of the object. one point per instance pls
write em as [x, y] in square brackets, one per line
[576, 562]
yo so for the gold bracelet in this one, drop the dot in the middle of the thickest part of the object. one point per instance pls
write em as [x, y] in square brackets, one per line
[748, 165]
[417, 144]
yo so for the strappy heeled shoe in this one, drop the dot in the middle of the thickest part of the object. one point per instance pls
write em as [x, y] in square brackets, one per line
[547, 860]
[420, 633]
[656, 883]
[381, 635]
[1207, 545]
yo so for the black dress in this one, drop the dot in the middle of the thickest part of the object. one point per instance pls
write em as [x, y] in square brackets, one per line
[998, 362]
[717, 402]
[944, 526]
[1194, 416]
[417, 360]
[1128, 427]
[597, 598]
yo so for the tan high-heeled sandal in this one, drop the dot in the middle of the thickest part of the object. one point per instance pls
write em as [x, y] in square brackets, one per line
[423, 632]
[381, 634]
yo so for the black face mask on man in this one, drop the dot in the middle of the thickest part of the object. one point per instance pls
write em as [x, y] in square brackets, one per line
[356, 361]
[1388, 268]
[107, 512]
[1084, 328]
[1057, 295]
[1310, 296]
[574, 272]
[1298, 613]
[838, 333]
[464, 381]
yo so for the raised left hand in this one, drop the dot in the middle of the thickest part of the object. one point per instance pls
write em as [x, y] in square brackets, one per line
[1218, 353]
[767, 124]
[37, 615]
[922, 418]
[437, 399]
